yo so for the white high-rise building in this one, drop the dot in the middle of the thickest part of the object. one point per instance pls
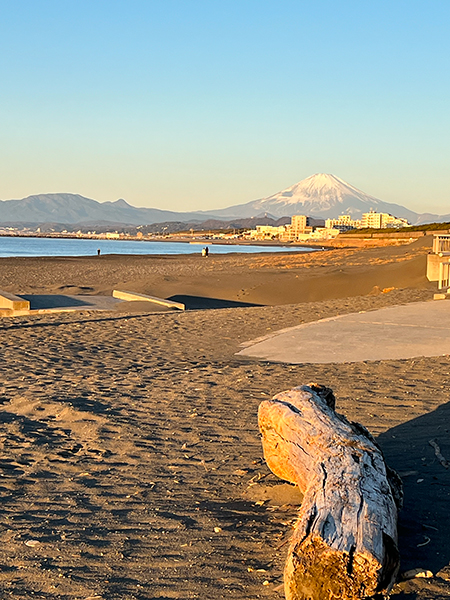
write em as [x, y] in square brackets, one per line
[376, 220]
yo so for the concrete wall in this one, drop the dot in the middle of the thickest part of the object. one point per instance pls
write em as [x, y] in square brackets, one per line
[433, 262]
[12, 302]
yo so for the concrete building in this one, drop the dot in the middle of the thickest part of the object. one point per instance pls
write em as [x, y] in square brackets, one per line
[299, 223]
[298, 229]
[343, 223]
[267, 232]
[376, 220]
[324, 233]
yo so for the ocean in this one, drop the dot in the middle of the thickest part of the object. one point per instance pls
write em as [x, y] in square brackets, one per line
[31, 246]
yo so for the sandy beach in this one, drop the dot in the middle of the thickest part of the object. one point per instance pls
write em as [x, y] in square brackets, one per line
[131, 462]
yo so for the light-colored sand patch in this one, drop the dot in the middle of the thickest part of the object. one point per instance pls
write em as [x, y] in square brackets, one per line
[275, 495]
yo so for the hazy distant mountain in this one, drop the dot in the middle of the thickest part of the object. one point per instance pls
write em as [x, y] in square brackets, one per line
[160, 227]
[320, 195]
[432, 218]
[73, 208]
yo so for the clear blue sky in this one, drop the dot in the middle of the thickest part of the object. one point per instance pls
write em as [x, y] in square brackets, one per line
[197, 104]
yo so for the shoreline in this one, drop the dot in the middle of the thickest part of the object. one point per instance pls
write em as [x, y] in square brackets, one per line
[188, 240]
[343, 240]
[237, 278]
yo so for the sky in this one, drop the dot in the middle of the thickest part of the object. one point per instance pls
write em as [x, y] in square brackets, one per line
[203, 104]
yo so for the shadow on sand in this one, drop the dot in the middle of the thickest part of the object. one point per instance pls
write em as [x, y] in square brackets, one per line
[202, 303]
[424, 523]
[46, 301]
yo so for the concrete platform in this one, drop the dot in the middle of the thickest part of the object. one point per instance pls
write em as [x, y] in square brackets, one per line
[399, 332]
[11, 302]
[135, 297]
[39, 304]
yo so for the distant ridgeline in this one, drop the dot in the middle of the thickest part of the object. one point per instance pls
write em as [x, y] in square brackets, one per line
[410, 229]
[319, 198]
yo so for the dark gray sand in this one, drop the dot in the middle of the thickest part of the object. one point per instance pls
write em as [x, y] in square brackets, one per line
[131, 464]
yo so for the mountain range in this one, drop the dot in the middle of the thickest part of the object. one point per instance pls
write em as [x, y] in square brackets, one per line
[73, 208]
[321, 196]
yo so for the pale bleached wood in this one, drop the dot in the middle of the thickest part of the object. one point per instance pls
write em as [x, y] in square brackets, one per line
[344, 543]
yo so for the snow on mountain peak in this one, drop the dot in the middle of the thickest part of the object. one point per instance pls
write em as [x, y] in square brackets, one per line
[320, 195]
[323, 188]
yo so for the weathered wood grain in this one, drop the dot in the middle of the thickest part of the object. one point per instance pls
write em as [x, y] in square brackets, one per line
[345, 540]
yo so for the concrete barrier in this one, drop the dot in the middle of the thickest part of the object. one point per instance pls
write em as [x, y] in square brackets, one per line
[12, 302]
[134, 297]
[438, 268]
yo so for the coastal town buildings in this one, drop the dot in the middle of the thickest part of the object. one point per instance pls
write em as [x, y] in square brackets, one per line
[376, 220]
[343, 223]
[324, 233]
[266, 232]
[300, 230]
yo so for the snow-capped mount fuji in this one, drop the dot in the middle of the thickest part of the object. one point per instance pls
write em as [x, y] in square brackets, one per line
[321, 195]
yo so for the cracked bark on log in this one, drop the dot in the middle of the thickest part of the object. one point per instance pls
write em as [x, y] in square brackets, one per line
[344, 543]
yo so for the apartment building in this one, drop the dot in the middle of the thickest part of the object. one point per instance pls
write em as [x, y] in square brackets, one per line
[376, 220]
[343, 223]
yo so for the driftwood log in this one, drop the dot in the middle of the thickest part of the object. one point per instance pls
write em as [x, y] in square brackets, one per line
[344, 543]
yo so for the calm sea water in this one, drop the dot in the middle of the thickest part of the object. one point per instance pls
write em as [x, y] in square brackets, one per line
[22, 246]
